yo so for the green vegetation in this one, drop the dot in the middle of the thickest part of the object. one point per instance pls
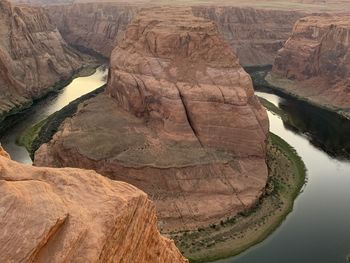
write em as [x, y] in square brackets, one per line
[273, 108]
[348, 258]
[42, 132]
[234, 235]
[26, 139]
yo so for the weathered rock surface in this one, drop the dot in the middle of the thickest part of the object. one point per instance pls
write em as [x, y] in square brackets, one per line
[94, 26]
[254, 34]
[72, 215]
[179, 120]
[316, 61]
[33, 55]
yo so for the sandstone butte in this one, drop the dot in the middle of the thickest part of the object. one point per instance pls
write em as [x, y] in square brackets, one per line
[33, 56]
[315, 62]
[179, 120]
[254, 34]
[73, 215]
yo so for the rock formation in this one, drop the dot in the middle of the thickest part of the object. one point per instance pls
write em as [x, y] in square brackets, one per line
[316, 61]
[254, 34]
[33, 56]
[72, 215]
[93, 26]
[179, 120]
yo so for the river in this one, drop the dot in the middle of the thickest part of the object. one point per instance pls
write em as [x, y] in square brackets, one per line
[318, 229]
[45, 107]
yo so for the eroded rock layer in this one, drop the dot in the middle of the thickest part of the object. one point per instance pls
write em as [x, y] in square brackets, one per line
[254, 34]
[179, 120]
[33, 55]
[72, 215]
[316, 61]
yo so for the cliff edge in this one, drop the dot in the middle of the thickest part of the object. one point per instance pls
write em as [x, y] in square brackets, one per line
[73, 215]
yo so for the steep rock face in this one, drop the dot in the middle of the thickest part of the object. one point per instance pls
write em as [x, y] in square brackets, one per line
[179, 120]
[33, 55]
[254, 34]
[72, 215]
[93, 26]
[317, 59]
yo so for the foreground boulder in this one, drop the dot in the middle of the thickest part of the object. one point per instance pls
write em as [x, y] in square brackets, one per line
[33, 56]
[179, 120]
[72, 215]
[315, 62]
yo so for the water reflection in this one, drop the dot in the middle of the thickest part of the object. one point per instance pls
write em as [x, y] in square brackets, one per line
[44, 108]
[326, 130]
[317, 230]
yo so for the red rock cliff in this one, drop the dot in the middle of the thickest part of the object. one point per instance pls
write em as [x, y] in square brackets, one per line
[33, 55]
[316, 58]
[72, 215]
[179, 120]
[254, 34]
[93, 26]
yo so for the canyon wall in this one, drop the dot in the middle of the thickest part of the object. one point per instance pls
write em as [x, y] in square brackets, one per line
[92, 26]
[72, 215]
[254, 34]
[33, 56]
[316, 61]
[179, 120]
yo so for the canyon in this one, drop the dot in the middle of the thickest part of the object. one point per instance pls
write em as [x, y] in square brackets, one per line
[176, 142]
[183, 123]
[97, 26]
[72, 215]
[314, 62]
[33, 57]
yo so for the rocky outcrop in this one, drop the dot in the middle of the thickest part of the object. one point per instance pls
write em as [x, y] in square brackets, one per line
[315, 61]
[93, 26]
[33, 56]
[179, 120]
[254, 34]
[72, 215]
